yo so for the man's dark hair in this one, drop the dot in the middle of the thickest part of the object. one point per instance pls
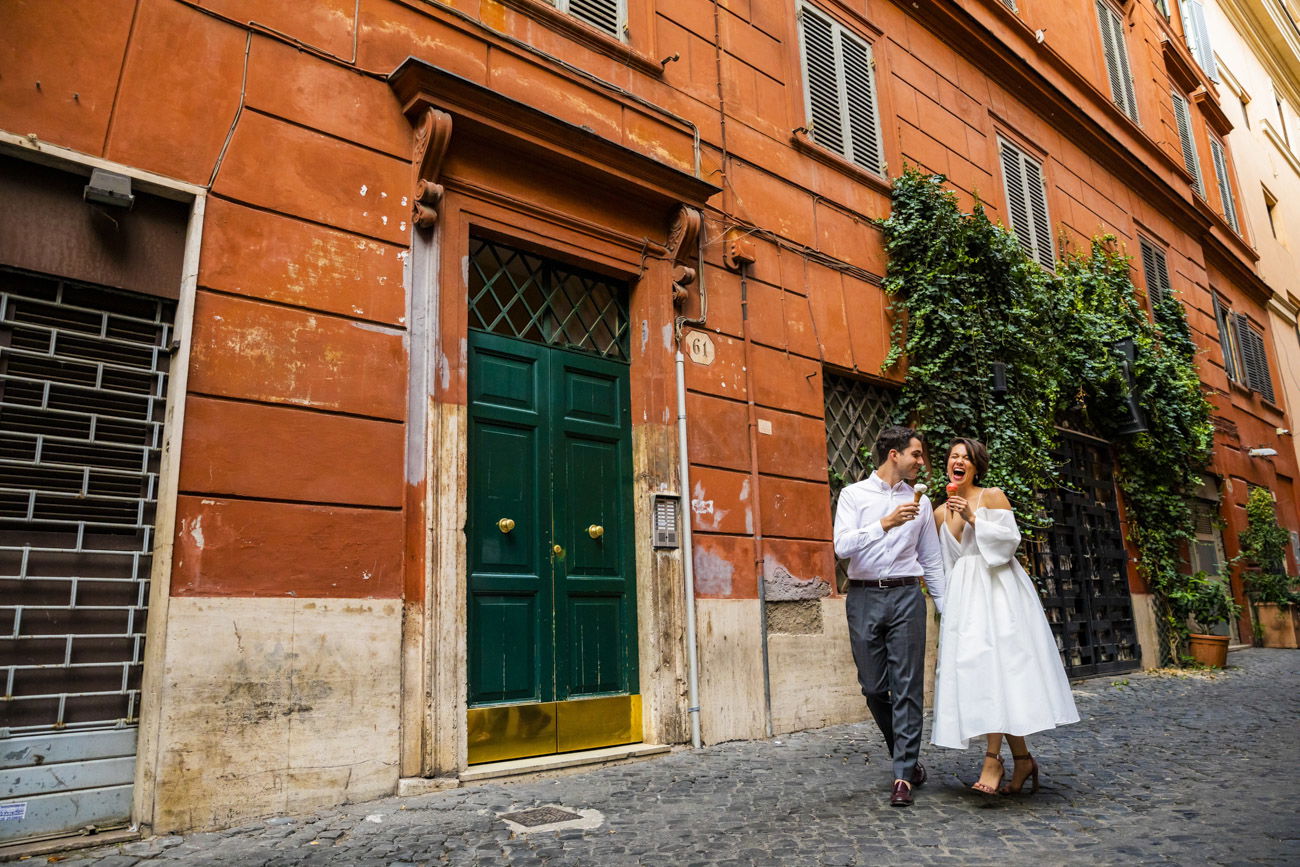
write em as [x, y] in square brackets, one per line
[895, 437]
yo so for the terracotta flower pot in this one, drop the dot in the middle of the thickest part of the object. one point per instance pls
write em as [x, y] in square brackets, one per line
[1279, 623]
[1211, 650]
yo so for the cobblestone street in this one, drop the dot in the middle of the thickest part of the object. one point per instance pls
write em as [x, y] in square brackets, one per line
[1164, 768]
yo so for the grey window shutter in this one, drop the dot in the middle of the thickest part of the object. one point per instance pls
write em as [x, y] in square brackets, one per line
[605, 15]
[1197, 33]
[1224, 319]
[1183, 115]
[820, 77]
[1255, 359]
[1115, 51]
[841, 90]
[1225, 184]
[1156, 269]
[1027, 203]
[860, 97]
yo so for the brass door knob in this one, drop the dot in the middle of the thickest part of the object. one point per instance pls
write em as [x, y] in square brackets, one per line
[558, 550]
[595, 531]
[505, 525]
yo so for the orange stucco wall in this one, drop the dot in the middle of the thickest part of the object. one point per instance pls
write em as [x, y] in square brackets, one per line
[298, 390]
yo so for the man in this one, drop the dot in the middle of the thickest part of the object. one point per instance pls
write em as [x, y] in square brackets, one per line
[889, 539]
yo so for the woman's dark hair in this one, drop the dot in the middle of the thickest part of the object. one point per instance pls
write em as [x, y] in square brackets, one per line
[975, 453]
[892, 438]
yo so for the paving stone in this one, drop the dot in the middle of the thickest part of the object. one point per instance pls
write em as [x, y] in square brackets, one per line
[1164, 770]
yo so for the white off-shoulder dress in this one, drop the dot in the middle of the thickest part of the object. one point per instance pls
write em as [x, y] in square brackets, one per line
[999, 669]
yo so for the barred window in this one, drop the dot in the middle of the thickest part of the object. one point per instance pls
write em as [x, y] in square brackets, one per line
[856, 410]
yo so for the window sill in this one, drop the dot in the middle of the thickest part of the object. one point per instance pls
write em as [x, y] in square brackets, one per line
[804, 143]
[586, 35]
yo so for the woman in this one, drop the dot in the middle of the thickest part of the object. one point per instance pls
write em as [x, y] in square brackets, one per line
[999, 670]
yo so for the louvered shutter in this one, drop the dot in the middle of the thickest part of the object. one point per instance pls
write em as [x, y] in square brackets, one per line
[841, 90]
[1224, 320]
[1225, 184]
[1197, 33]
[1183, 115]
[604, 15]
[1027, 203]
[1156, 269]
[821, 80]
[1010, 4]
[1254, 358]
[1115, 51]
[860, 99]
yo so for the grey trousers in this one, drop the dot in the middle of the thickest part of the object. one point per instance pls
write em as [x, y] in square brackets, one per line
[887, 633]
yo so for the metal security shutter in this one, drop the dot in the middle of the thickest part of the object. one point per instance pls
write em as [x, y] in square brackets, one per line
[1027, 203]
[1254, 358]
[605, 15]
[1156, 271]
[1115, 51]
[1227, 343]
[1225, 184]
[83, 383]
[1198, 36]
[840, 97]
[1183, 115]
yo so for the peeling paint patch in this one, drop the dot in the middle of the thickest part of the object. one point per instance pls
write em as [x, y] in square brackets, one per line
[712, 573]
[667, 331]
[196, 532]
[364, 189]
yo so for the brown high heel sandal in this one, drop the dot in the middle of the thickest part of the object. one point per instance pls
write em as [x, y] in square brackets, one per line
[1033, 774]
[995, 790]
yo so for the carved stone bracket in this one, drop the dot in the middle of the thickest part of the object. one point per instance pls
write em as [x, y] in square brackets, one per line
[431, 139]
[683, 247]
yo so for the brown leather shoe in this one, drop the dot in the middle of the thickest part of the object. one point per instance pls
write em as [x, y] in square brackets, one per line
[919, 776]
[902, 794]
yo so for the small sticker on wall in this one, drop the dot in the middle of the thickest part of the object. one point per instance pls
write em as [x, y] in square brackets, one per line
[13, 812]
[764, 426]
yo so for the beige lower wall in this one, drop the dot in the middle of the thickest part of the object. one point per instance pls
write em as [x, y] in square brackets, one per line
[275, 705]
[1148, 633]
[814, 681]
[731, 670]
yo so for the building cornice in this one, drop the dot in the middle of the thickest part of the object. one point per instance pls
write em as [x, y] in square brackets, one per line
[1002, 45]
[1271, 40]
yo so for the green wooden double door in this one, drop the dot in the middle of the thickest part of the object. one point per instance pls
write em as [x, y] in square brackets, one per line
[552, 650]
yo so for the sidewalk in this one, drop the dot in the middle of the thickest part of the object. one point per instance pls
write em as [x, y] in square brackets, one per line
[1164, 769]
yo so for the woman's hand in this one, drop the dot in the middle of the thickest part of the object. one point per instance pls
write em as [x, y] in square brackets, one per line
[958, 505]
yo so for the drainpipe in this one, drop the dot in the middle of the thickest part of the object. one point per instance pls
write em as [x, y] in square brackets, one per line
[688, 557]
[755, 502]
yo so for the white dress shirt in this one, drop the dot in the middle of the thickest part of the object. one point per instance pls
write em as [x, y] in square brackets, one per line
[875, 553]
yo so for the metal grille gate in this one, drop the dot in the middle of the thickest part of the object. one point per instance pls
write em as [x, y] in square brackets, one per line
[1081, 566]
[83, 385]
[856, 411]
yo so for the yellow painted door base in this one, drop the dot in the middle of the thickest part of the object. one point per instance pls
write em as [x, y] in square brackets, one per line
[517, 731]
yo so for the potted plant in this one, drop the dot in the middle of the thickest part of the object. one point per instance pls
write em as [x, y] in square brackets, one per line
[1204, 601]
[1269, 589]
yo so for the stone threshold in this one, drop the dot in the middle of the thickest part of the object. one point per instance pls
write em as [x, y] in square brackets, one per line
[53, 845]
[545, 764]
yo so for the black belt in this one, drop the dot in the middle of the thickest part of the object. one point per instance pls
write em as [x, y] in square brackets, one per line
[885, 582]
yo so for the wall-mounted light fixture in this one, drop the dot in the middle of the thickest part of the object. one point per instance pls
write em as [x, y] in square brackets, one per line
[1137, 420]
[109, 188]
[999, 377]
[1262, 453]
